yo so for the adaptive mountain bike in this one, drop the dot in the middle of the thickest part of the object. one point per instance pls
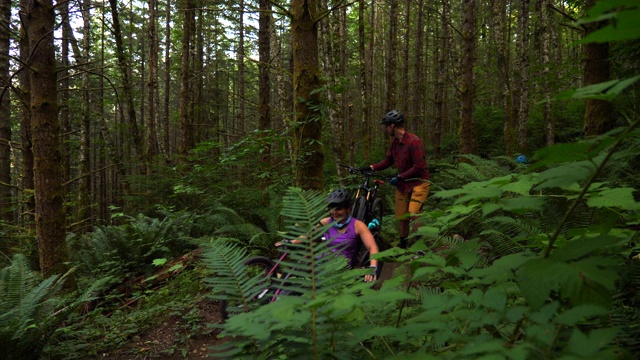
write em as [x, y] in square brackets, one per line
[368, 208]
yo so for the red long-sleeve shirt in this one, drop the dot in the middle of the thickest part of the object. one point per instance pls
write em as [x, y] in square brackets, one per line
[409, 157]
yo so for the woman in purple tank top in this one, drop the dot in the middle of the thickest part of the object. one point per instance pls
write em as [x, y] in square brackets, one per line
[347, 231]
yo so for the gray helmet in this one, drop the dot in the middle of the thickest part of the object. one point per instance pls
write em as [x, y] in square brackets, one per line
[339, 196]
[393, 117]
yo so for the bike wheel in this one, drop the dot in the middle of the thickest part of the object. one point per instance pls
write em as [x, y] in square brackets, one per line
[359, 208]
[255, 266]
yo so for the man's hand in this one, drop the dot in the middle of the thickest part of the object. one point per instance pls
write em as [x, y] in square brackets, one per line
[365, 168]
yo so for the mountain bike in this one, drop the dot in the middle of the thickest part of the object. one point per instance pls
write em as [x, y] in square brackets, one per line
[368, 208]
[366, 205]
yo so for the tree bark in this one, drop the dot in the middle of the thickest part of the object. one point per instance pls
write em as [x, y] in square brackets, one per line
[240, 114]
[25, 122]
[84, 188]
[440, 82]
[598, 114]
[525, 65]
[308, 157]
[151, 150]
[264, 80]
[186, 124]
[50, 216]
[467, 127]
[5, 114]
[391, 101]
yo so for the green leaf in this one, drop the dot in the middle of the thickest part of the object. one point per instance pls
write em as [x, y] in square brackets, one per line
[564, 176]
[622, 16]
[522, 204]
[588, 345]
[580, 313]
[621, 198]
[495, 299]
[159, 262]
[603, 91]
[537, 278]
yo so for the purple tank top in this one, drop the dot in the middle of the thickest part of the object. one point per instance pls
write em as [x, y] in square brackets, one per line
[345, 243]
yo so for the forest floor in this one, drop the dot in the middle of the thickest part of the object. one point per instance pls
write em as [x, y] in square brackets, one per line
[172, 336]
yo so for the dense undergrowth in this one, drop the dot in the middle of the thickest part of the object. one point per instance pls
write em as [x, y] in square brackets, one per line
[548, 268]
[514, 261]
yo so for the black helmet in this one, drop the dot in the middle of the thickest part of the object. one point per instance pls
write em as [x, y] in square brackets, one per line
[393, 117]
[339, 197]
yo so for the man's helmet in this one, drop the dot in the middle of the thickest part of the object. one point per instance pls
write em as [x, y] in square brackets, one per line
[521, 159]
[339, 197]
[393, 117]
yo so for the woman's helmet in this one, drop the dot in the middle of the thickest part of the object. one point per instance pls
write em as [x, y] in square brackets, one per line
[393, 117]
[339, 197]
[521, 159]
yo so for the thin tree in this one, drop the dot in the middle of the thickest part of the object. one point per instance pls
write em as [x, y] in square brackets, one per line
[442, 54]
[264, 80]
[598, 114]
[151, 86]
[5, 113]
[45, 126]
[166, 123]
[468, 143]
[240, 114]
[545, 44]
[525, 65]
[187, 136]
[24, 95]
[391, 101]
[84, 189]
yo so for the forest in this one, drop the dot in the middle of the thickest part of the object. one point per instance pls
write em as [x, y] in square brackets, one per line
[147, 148]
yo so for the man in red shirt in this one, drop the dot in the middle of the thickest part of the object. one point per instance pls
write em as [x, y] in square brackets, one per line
[407, 154]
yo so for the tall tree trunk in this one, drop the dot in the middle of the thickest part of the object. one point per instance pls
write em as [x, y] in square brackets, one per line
[5, 114]
[84, 189]
[166, 124]
[50, 216]
[264, 80]
[467, 127]
[598, 114]
[502, 62]
[391, 101]
[443, 50]
[545, 43]
[364, 81]
[330, 34]
[407, 84]
[417, 96]
[309, 158]
[516, 88]
[25, 122]
[151, 85]
[525, 65]
[186, 123]
[240, 117]
[127, 84]
[65, 120]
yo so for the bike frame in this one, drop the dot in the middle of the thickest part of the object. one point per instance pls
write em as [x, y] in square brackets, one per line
[271, 272]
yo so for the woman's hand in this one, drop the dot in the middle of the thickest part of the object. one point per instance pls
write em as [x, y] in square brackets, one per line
[373, 276]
